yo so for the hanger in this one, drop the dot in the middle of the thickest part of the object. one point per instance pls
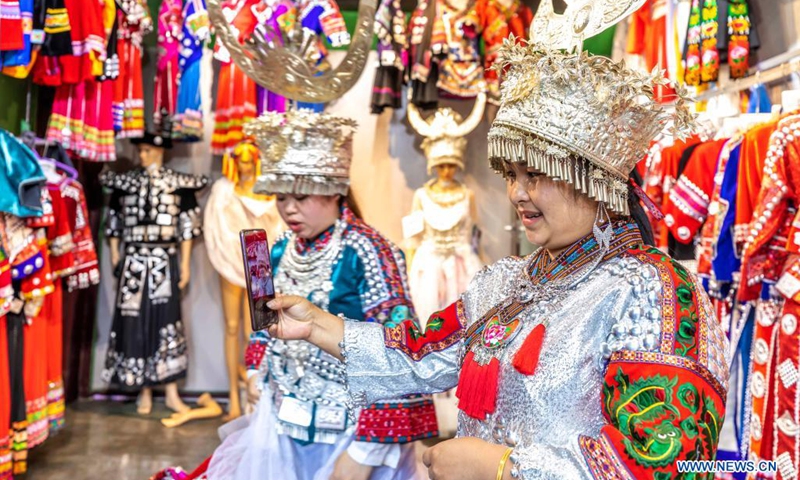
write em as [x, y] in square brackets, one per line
[54, 166]
[32, 141]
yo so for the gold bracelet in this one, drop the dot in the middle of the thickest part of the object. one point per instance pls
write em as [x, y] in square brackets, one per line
[502, 467]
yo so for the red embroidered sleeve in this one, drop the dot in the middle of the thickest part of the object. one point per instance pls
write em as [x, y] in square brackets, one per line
[412, 418]
[664, 406]
[691, 194]
[444, 329]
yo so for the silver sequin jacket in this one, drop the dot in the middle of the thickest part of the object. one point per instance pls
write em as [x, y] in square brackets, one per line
[620, 336]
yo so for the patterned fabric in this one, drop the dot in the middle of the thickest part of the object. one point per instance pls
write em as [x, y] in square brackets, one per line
[497, 23]
[173, 216]
[692, 57]
[444, 329]
[690, 197]
[390, 28]
[11, 25]
[188, 120]
[152, 213]
[367, 283]
[128, 105]
[702, 54]
[772, 384]
[664, 406]
[751, 168]
[764, 252]
[170, 25]
[718, 208]
[739, 37]
[86, 269]
[660, 401]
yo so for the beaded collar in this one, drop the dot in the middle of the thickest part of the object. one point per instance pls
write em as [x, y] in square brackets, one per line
[542, 269]
[304, 246]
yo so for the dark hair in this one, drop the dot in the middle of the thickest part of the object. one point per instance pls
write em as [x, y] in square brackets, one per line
[350, 200]
[637, 211]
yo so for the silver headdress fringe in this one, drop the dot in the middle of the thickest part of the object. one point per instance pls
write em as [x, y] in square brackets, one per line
[558, 164]
[276, 183]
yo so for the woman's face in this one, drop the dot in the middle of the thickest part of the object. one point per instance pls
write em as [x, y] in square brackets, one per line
[554, 217]
[246, 165]
[446, 171]
[308, 215]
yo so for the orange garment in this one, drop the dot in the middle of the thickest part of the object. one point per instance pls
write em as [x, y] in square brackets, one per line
[765, 258]
[236, 105]
[53, 317]
[34, 288]
[498, 22]
[751, 168]
[647, 37]
[35, 377]
[5, 404]
[688, 200]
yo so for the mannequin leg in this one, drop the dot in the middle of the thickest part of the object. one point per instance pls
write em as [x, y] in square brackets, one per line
[144, 403]
[173, 398]
[232, 310]
[248, 330]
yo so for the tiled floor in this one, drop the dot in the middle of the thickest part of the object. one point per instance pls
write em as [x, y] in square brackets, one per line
[107, 440]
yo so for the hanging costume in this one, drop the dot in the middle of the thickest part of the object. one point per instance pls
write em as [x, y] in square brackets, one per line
[188, 121]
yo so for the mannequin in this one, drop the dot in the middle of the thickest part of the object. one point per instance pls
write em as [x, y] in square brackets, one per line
[152, 210]
[232, 207]
[444, 185]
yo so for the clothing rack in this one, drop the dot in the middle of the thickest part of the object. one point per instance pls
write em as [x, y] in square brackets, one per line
[789, 64]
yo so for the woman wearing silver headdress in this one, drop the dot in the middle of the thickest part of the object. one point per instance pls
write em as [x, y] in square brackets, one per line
[594, 357]
[301, 430]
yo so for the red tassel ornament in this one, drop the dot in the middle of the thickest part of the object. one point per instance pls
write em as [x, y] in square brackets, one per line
[477, 387]
[527, 357]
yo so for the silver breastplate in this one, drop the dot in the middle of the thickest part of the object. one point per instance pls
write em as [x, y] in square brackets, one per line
[307, 384]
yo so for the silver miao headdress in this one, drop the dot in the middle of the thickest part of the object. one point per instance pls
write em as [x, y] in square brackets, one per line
[445, 132]
[303, 152]
[582, 119]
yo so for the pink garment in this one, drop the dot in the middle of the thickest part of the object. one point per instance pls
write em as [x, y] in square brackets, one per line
[170, 24]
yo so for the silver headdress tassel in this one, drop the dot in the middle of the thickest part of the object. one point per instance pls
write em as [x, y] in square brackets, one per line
[445, 132]
[582, 119]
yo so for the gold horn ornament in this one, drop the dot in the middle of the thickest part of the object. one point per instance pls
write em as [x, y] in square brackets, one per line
[285, 70]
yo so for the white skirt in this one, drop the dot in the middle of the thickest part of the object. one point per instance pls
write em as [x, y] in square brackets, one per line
[437, 280]
[253, 450]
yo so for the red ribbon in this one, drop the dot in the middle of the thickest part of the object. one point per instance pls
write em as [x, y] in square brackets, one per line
[648, 203]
